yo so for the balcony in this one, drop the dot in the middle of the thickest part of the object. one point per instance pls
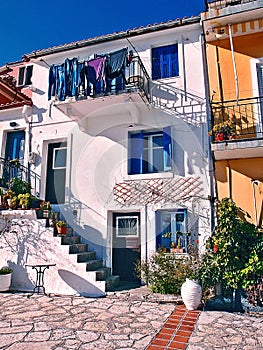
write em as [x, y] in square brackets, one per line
[237, 128]
[219, 4]
[126, 95]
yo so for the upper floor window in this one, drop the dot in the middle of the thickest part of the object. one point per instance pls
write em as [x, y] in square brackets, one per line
[165, 62]
[150, 152]
[25, 75]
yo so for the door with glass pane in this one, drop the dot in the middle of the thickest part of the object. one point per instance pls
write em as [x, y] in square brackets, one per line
[171, 229]
[15, 149]
[126, 245]
[56, 172]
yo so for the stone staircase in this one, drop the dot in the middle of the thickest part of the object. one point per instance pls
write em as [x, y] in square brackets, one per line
[94, 267]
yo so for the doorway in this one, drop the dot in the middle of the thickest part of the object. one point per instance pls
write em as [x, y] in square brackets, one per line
[56, 173]
[126, 245]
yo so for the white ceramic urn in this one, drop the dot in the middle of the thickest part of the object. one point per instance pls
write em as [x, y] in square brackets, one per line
[191, 293]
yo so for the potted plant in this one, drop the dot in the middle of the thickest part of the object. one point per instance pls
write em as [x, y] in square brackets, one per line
[61, 227]
[223, 131]
[5, 278]
[44, 212]
[179, 247]
[24, 200]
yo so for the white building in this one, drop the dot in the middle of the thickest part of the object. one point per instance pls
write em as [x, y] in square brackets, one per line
[119, 138]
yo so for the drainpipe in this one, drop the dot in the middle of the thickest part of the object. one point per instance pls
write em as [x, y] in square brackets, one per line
[209, 125]
[255, 182]
[234, 61]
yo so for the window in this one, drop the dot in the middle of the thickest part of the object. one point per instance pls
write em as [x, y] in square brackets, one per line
[165, 62]
[171, 227]
[127, 226]
[25, 75]
[150, 152]
[59, 158]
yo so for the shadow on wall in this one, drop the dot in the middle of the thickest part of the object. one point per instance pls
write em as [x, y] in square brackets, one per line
[79, 284]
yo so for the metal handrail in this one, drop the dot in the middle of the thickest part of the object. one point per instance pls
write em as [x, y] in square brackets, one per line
[9, 170]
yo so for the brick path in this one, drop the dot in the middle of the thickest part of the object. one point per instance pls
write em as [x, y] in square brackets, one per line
[176, 331]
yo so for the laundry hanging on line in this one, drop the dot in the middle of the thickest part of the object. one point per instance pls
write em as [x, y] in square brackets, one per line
[73, 78]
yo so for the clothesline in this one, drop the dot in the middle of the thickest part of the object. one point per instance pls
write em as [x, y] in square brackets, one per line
[73, 77]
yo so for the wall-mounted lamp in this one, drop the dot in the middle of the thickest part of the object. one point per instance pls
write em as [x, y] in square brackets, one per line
[13, 124]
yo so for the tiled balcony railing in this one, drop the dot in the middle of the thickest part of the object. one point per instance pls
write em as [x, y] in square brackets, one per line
[219, 4]
[242, 120]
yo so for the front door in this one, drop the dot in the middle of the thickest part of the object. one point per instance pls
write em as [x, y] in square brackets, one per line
[126, 245]
[56, 172]
[15, 148]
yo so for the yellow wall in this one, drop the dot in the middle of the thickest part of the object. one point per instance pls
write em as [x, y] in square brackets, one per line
[227, 74]
[234, 179]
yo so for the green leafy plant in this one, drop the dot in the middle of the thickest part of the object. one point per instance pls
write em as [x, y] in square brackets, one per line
[165, 273]
[45, 205]
[234, 252]
[5, 270]
[61, 223]
[25, 199]
[19, 186]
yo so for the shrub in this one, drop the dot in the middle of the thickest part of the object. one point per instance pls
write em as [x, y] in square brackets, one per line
[165, 273]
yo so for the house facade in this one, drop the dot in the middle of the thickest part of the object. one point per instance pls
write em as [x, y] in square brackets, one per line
[233, 32]
[117, 133]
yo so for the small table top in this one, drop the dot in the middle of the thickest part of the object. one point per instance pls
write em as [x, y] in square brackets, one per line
[40, 265]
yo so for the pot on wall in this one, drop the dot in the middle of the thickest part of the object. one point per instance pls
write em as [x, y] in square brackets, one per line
[5, 282]
[191, 293]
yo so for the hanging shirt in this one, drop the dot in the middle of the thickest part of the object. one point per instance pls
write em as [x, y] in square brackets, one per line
[115, 63]
[96, 70]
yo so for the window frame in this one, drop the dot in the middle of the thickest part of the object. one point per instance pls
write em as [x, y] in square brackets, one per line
[127, 217]
[54, 158]
[160, 61]
[24, 75]
[136, 152]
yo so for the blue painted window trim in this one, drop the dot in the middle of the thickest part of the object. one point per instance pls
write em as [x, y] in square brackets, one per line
[165, 62]
[136, 150]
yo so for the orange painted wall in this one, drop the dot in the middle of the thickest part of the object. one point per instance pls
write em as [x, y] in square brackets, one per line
[227, 74]
[234, 179]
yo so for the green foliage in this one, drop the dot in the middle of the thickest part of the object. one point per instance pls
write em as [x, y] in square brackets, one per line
[234, 255]
[165, 273]
[61, 223]
[25, 199]
[5, 270]
[19, 186]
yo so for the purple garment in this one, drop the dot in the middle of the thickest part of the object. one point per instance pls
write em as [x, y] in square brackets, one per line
[96, 70]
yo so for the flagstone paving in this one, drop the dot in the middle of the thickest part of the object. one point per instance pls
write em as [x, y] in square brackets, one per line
[131, 319]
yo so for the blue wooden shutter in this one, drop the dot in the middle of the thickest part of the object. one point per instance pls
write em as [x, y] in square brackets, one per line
[136, 154]
[165, 62]
[167, 147]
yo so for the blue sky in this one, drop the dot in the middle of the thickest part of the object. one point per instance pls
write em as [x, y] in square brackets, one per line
[30, 25]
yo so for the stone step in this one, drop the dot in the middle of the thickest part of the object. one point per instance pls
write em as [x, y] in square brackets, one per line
[78, 248]
[103, 273]
[112, 282]
[87, 256]
[70, 240]
[93, 265]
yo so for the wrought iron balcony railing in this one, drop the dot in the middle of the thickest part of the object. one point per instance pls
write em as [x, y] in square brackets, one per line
[242, 120]
[11, 169]
[219, 4]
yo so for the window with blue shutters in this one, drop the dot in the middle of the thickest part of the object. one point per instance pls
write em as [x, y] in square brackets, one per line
[165, 62]
[150, 152]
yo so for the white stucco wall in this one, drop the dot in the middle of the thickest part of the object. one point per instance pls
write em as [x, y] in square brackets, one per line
[97, 152]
